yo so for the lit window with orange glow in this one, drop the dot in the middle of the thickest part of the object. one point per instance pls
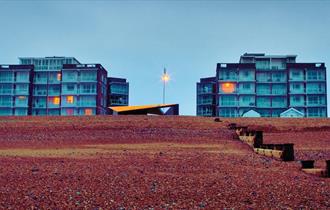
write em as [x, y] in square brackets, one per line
[56, 100]
[59, 77]
[21, 97]
[228, 87]
[69, 99]
[88, 111]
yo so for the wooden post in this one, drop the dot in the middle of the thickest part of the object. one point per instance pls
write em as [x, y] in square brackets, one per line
[288, 152]
[258, 141]
[328, 168]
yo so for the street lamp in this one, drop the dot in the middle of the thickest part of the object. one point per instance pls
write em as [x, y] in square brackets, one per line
[165, 79]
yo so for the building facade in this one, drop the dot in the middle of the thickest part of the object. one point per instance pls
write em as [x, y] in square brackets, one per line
[84, 89]
[47, 83]
[15, 89]
[269, 85]
[55, 86]
[118, 92]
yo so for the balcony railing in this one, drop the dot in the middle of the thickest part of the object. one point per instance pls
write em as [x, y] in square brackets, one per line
[302, 103]
[312, 103]
[6, 91]
[40, 81]
[246, 103]
[205, 102]
[279, 104]
[228, 103]
[311, 91]
[297, 91]
[279, 92]
[40, 92]
[297, 78]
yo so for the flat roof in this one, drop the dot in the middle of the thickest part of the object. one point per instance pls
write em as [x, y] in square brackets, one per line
[139, 107]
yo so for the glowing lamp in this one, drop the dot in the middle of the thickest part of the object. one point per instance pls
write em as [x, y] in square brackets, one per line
[165, 77]
[228, 87]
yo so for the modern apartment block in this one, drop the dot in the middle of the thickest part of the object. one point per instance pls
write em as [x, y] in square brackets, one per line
[15, 89]
[118, 91]
[55, 86]
[271, 86]
[47, 83]
[84, 89]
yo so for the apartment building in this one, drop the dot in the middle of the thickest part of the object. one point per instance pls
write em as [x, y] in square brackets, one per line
[56, 86]
[118, 91]
[267, 84]
[15, 89]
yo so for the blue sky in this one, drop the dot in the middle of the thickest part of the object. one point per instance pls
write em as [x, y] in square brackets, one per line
[136, 39]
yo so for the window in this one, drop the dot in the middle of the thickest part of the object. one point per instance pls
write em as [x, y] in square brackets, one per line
[88, 76]
[6, 89]
[263, 102]
[54, 100]
[315, 75]
[69, 111]
[228, 75]
[228, 112]
[6, 76]
[263, 64]
[205, 111]
[69, 76]
[69, 99]
[6, 100]
[228, 100]
[263, 89]
[316, 112]
[88, 111]
[264, 77]
[70, 87]
[246, 86]
[296, 99]
[88, 88]
[59, 76]
[22, 76]
[228, 87]
[21, 101]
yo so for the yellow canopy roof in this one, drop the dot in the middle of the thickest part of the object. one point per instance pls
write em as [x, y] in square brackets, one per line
[141, 107]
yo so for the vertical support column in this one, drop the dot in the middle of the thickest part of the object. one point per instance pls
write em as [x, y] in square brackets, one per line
[258, 141]
[288, 152]
[328, 168]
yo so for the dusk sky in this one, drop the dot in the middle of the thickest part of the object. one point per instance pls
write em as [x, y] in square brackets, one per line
[137, 39]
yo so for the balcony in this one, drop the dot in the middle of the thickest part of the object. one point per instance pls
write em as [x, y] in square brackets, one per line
[316, 104]
[40, 81]
[246, 79]
[279, 91]
[205, 102]
[315, 91]
[6, 91]
[87, 104]
[246, 104]
[6, 79]
[228, 103]
[6, 103]
[301, 103]
[40, 92]
[297, 78]
[279, 104]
